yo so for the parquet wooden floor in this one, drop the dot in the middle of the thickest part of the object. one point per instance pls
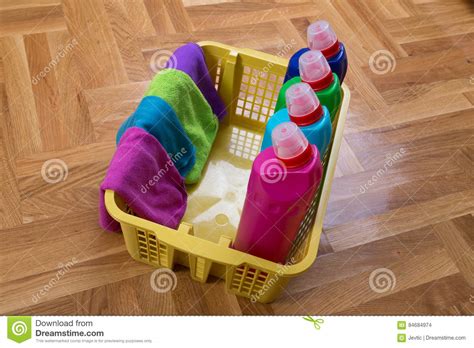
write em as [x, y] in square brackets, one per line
[72, 71]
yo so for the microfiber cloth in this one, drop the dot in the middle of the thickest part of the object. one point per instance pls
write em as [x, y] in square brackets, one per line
[190, 59]
[147, 180]
[155, 116]
[181, 93]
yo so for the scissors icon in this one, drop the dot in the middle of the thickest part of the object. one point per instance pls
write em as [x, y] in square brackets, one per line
[316, 322]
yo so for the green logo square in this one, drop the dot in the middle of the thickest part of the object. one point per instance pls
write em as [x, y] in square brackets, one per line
[401, 338]
[19, 328]
[401, 325]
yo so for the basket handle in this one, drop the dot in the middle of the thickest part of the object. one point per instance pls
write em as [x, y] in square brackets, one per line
[183, 238]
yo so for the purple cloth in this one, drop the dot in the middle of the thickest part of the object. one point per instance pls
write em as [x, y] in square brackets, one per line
[190, 59]
[142, 173]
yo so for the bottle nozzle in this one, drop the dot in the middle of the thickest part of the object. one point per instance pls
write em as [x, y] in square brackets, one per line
[321, 37]
[290, 144]
[315, 70]
[303, 105]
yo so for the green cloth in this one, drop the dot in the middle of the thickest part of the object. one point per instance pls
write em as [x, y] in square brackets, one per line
[194, 112]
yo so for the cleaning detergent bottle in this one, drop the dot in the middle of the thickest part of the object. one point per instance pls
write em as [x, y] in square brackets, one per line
[321, 37]
[315, 71]
[283, 182]
[304, 109]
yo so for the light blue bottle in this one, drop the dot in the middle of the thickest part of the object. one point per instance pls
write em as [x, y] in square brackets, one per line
[304, 109]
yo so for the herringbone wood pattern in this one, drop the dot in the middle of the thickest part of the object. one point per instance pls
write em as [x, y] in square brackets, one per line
[402, 199]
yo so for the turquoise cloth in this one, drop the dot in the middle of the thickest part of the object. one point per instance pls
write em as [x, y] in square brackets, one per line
[155, 116]
[192, 109]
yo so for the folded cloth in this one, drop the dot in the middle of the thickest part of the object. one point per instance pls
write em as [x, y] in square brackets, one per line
[147, 180]
[181, 93]
[155, 116]
[190, 59]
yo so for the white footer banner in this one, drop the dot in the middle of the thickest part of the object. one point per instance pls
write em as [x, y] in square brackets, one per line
[229, 332]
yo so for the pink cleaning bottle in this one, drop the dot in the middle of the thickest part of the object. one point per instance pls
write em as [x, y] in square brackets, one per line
[283, 181]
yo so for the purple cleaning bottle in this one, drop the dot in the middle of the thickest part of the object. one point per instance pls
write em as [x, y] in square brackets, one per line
[283, 182]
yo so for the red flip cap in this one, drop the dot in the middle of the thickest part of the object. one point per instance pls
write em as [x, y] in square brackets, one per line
[321, 37]
[290, 145]
[315, 70]
[304, 107]
[300, 159]
[331, 50]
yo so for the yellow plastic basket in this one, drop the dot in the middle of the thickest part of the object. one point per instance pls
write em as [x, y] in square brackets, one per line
[248, 81]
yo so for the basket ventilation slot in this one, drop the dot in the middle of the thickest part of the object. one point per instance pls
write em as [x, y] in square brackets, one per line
[258, 94]
[200, 267]
[150, 248]
[248, 281]
[218, 74]
[244, 143]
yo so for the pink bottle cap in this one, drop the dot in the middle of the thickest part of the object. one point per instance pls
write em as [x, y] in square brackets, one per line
[321, 37]
[315, 70]
[290, 144]
[303, 105]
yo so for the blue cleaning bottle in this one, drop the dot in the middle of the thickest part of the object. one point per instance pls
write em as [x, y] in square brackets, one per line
[321, 37]
[304, 109]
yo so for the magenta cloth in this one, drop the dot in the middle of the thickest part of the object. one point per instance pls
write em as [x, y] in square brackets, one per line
[190, 59]
[142, 173]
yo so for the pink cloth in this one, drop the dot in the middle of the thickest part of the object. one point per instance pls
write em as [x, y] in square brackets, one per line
[142, 173]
